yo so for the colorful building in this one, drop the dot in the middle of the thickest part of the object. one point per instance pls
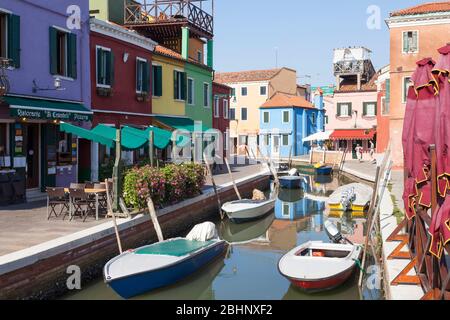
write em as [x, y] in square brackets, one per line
[250, 90]
[47, 50]
[121, 62]
[353, 112]
[415, 33]
[221, 112]
[285, 120]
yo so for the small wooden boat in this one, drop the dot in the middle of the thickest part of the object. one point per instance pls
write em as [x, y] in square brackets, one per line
[158, 265]
[247, 210]
[360, 194]
[318, 266]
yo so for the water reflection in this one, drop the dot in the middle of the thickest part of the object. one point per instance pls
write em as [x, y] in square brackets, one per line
[249, 271]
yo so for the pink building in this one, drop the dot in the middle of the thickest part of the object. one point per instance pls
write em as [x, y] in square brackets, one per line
[352, 111]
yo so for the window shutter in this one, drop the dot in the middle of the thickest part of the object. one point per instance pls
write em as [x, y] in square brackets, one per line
[376, 108]
[339, 110]
[405, 42]
[350, 111]
[183, 85]
[14, 40]
[72, 55]
[159, 85]
[415, 41]
[364, 109]
[53, 50]
[99, 65]
[111, 71]
[146, 86]
[175, 85]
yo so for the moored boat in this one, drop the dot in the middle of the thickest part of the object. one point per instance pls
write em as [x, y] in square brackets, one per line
[247, 210]
[292, 182]
[324, 171]
[141, 270]
[354, 197]
[319, 266]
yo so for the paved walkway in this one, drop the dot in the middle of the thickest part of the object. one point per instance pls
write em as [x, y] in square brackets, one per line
[25, 225]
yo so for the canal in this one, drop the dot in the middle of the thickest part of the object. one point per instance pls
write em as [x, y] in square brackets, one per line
[249, 270]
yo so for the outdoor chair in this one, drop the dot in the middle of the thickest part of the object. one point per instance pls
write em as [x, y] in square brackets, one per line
[56, 197]
[89, 185]
[78, 186]
[82, 204]
[102, 200]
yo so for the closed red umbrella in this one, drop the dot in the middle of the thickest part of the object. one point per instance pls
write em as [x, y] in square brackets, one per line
[418, 134]
[440, 225]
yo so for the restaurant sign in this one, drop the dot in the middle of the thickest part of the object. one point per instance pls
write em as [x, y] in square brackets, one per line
[47, 114]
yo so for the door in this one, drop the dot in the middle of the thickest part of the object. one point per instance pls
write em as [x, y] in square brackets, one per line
[32, 155]
[275, 146]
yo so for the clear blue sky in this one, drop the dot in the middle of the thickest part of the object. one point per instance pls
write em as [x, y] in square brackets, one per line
[305, 32]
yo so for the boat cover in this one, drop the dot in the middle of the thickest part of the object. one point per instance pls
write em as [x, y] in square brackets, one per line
[176, 248]
[203, 232]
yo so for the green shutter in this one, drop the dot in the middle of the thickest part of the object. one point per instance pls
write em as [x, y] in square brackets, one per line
[175, 85]
[405, 41]
[338, 109]
[99, 66]
[388, 90]
[146, 86]
[415, 41]
[364, 109]
[350, 110]
[53, 51]
[14, 40]
[110, 69]
[183, 86]
[376, 108]
[157, 79]
[72, 55]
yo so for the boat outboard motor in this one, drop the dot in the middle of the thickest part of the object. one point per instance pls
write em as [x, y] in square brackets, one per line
[293, 172]
[332, 231]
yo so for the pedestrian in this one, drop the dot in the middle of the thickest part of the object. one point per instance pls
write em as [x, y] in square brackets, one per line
[359, 152]
[372, 150]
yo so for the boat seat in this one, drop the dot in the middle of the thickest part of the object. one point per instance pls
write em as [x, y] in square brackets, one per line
[177, 248]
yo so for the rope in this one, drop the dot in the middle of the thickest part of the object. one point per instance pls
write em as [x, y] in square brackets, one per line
[359, 265]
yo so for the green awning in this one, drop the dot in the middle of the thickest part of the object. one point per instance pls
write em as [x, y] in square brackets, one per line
[162, 138]
[47, 109]
[129, 141]
[181, 123]
[87, 134]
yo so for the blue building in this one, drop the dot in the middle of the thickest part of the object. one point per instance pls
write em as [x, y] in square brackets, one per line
[285, 120]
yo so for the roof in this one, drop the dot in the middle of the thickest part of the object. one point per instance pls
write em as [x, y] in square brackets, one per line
[164, 51]
[431, 7]
[215, 83]
[246, 76]
[283, 100]
[351, 85]
[353, 134]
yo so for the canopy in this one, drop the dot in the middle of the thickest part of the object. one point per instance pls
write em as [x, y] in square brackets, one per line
[47, 109]
[353, 134]
[319, 136]
[181, 124]
[132, 138]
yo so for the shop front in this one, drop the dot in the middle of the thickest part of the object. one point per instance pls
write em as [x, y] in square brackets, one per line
[34, 153]
[349, 140]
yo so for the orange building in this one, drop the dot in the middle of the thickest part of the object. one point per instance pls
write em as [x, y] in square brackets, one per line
[415, 33]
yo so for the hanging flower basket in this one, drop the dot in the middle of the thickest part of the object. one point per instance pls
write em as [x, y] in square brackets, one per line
[105, 92]
[143, 96]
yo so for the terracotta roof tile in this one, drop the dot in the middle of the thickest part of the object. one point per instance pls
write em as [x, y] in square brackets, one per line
[352, 86]
[283, 100]
[430, 7]
[168, 52]
[246, 76]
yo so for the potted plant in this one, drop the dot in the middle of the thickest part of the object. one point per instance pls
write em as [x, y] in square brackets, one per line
[142, 96]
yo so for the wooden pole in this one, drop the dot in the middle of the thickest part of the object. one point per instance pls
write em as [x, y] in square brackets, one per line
[232, 179]
[208, 168]
[154, 217]
[117, 170]
[290, 158]
[151, 148]
[111, 211]
[269, 164]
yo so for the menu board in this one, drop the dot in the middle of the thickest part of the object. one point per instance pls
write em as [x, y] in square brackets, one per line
[18, 140]
[74, 150]
[51, 159]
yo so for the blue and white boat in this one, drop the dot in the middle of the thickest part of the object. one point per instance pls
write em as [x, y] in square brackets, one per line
[141, 270]
[324, 171]
[293, 182]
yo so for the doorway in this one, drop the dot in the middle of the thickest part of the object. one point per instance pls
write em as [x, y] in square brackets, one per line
[32, 155]
[276, 146]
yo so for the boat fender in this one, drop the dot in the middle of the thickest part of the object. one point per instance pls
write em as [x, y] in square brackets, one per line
[319, 254]
[359, 265]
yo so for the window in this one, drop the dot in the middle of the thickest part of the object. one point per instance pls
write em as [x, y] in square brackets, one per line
[326, 119]
[263, 90]
[313, 118]
[199, 56]
[191, 91]
[386, 101]
[180, 85]
[216, 107]
[344, 109]
[369, 109]
[157, 84]
[206, 95]
[266, 117]
[10, 38]
[64, 149]
[266, 140]
[244, 114]
[285, 139]
[244, 91]
[142, 76]
[286, 210]
[233, 92]
[410, 42]
[105, 67]
[63, 53]
[233, 114]
[225, 109]
[243, 140]
[406, 84]
[286, 116]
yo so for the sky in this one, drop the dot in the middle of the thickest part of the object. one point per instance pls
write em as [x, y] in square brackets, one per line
[247, 33]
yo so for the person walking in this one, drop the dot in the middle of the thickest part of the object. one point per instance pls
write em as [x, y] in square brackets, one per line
[359, 152]
[372, 150]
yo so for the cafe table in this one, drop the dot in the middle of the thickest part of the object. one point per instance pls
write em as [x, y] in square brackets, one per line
[96, 192]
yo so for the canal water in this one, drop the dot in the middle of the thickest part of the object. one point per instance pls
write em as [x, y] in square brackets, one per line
[249, 271]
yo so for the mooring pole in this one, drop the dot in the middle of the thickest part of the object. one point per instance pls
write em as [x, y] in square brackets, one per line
[232, 179]
[151, 149]
[117, 170]
[111, 211]
[208, 168]
[154, 217]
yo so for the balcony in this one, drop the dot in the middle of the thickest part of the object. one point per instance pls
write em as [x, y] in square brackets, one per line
[158, 15]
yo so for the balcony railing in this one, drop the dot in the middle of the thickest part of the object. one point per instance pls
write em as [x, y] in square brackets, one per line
[161, 12]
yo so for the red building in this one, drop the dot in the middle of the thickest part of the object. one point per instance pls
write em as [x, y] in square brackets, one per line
[221, 111]
[121, 66]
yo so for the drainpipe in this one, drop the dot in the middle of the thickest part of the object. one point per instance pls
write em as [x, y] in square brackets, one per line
[185, 43]
[210, 59]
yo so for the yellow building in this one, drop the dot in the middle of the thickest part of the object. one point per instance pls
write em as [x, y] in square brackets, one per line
[167, 62]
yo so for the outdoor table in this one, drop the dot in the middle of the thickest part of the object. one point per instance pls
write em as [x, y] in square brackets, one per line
[97, 193]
